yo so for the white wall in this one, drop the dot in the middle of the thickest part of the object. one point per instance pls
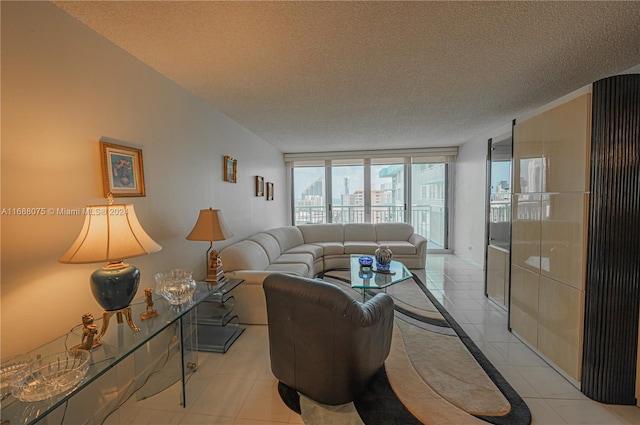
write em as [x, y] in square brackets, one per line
[470, 188]
[63, 88]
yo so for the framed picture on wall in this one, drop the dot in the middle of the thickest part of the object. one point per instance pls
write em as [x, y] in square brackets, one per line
[269, 191]
[259, 186]
[230, 169]
[122, 170]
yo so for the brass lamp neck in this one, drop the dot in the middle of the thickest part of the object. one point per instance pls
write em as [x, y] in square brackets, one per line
[115, 265]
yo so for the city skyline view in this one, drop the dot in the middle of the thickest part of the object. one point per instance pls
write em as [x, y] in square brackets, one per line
[305, 177]
[385, 200]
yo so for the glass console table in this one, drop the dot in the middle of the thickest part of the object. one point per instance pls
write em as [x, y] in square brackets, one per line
[162, 353]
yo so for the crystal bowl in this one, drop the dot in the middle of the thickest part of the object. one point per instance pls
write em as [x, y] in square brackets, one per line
[176, 285]
[52, 375]
[13, 370]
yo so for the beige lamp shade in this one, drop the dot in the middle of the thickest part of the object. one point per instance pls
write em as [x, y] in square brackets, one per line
[110, 233]
[210, 227]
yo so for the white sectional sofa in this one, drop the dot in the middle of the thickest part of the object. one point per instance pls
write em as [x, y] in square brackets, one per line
[307, 250]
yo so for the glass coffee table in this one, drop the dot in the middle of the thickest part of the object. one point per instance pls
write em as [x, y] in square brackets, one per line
[362, 279]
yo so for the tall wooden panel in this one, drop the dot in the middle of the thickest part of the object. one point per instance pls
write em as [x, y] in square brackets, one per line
[612, 294]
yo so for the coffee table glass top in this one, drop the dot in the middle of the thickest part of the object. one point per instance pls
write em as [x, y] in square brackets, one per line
[373, 279]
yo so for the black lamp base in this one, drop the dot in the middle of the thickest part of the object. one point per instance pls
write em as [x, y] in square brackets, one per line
[114, 285]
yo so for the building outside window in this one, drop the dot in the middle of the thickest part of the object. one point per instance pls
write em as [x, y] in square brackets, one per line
[309, 195]
[429, 203]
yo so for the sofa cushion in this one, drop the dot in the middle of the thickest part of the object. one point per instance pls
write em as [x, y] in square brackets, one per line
[393, 232]
[331, 248]
[244, 255]
[359, 232]
[269, 244]
[400, 247]
[297, 269]
[288, 237]
[360, 247]
[301, 258]
[308, 248]
[314, 233]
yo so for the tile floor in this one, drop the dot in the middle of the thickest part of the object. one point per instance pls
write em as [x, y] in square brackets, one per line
[458, 285]
[237, 388]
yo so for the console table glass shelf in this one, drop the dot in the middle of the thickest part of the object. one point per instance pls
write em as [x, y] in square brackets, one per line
[218, 327]
[170, 336]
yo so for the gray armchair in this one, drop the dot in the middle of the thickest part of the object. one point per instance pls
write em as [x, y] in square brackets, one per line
[323, 343]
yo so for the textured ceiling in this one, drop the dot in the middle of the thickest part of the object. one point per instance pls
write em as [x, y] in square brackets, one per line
[313, 76]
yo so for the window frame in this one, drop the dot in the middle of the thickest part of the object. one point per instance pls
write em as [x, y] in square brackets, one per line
[424, 157]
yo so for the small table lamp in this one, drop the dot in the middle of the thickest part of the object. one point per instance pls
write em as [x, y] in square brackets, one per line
[211, 227]
[112, 233]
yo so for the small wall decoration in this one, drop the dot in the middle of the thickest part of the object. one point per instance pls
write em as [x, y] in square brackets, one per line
[230, 169]
[122, 170]
[259, 186]
[269, 191]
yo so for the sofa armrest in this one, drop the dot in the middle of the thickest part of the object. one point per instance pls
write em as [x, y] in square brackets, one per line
[420, 243]
[251, 277]
[417, 240]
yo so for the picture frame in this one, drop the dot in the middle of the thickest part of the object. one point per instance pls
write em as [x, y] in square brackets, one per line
[230, 169]
[259, 186]
[269, 191]
[122, 170]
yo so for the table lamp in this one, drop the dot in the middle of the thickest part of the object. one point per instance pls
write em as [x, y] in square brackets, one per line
[211, 227]
[112, 233]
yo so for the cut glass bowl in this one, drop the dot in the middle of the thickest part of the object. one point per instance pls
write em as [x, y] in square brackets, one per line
[176, 285]
[52, 375]
[13, 370]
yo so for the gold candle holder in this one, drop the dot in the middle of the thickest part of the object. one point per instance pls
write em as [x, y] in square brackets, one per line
[151, 311]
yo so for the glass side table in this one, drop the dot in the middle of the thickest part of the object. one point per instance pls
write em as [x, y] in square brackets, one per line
[162, 353]
[218, 328]
[373, 279]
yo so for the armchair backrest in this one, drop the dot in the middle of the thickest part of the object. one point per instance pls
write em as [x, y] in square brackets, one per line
[323, 342]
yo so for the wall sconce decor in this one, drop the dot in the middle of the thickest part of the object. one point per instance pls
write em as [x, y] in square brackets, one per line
[122, 170]
[230, 169]
[269, 191]
[211, 227]
[259, 186]
[112, 233]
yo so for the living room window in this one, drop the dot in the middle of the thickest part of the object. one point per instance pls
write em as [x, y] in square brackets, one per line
[411, 186]
[347, 191]
[388, 200]
[429, 206]
[309, 200]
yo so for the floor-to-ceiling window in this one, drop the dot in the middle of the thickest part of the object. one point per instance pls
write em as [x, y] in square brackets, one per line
[387, 191]
[429, 206]
[347, 192]
[309, 199]
[369, 187]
